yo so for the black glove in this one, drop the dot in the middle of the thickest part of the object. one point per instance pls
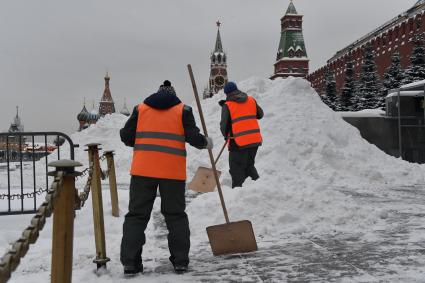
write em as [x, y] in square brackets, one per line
[221, 102]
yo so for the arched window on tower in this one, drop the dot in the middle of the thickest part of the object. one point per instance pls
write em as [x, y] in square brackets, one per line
[224, 58]
[299, 53]
[291, 53]
[219, 58]
[213, 58]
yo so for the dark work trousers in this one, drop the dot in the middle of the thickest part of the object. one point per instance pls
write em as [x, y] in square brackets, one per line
[242, 165]
[142, 196]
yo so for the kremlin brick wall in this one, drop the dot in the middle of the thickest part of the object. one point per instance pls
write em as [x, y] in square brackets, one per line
[387, 39]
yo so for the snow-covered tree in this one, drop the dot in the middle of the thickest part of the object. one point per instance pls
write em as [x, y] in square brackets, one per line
[368, 89]
[330, 90]
[394, 74]
[348, 90]
[393, 77]
[416, 71]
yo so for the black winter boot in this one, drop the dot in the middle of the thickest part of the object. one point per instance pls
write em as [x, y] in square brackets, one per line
[180, 269]
[131, 271]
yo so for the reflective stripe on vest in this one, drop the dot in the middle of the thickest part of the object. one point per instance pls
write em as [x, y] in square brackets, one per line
[159, 149]
[245, 127]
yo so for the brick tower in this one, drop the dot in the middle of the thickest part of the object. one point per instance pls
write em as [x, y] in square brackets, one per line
[218, 72]
[106, 105]
[291, 59]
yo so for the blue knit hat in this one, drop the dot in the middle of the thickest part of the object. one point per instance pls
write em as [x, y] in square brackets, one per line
[230, 87]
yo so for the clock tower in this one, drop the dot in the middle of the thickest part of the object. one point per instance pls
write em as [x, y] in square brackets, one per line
[218, 72]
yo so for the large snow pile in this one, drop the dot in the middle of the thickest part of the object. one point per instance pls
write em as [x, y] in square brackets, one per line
[309, 154]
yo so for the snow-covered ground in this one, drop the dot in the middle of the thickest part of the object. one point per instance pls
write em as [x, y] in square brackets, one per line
[325, 196]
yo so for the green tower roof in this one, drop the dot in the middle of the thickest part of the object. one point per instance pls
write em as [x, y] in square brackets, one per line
[291, 41]
[291, 9]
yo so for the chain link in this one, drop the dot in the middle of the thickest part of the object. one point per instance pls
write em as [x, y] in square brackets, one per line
[84, 195]
[38, 192]
[10, 261]
[104, 174]
[83, 173]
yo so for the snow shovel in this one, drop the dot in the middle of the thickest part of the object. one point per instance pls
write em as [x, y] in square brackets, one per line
[203, 181]
[231, 237]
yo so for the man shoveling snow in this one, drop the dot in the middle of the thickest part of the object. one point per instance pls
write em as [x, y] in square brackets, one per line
[158, 130]
[239, 115]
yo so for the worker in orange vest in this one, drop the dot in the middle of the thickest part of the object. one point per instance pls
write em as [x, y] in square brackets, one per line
[158, 130]
[239, 123]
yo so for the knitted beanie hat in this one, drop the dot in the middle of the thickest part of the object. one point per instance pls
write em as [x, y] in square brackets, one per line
[167, 88]
[230, 87]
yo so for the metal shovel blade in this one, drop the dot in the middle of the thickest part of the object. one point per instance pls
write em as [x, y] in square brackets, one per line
[203, 181]
[232, 238]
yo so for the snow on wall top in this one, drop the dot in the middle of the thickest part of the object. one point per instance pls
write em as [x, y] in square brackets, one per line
[415, 93]
[419, 85]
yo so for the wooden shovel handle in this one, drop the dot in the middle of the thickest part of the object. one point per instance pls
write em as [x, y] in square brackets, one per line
[204, 127]
[221, 151]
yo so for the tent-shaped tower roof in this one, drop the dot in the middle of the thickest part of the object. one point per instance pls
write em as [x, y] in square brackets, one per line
[291, 9]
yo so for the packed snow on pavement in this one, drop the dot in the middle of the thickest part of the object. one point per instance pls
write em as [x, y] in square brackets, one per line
[309, 157]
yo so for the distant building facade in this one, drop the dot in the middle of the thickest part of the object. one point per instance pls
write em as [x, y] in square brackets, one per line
[291, 57]
[394, 35]
[14, 142]
[218, 68]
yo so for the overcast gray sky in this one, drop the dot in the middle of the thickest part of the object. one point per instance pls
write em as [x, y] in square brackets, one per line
[54, 53]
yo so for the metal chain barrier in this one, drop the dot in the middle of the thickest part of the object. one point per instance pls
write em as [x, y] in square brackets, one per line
[38, 192]
[103, 174]
[11, 259]
[19, 248]
[83, 173]
[84, 195]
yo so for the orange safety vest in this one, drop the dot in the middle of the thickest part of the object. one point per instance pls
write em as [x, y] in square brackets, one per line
[245, 127]
[160, 149]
